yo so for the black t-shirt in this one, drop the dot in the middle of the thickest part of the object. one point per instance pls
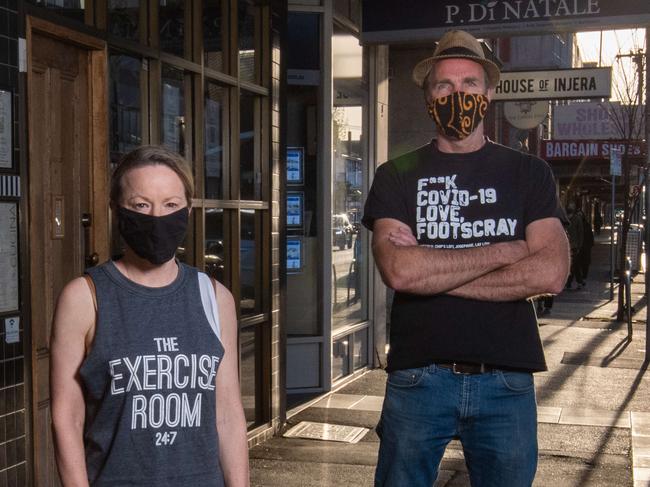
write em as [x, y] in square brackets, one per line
[460, 201]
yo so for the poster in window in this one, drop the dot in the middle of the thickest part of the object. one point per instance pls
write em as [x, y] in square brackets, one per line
[294, 254]
[8, 256]
[294, 208]
[295, 164]
[6, 127]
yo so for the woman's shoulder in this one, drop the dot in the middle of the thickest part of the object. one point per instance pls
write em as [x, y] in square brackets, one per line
[224, 295]
[77, 291]
[75, 307]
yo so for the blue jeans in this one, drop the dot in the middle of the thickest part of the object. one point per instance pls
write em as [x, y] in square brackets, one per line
[493, 414]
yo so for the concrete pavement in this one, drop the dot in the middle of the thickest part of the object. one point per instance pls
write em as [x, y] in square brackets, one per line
[594, 406]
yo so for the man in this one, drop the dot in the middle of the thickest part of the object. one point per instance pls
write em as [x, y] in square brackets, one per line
[465, 231]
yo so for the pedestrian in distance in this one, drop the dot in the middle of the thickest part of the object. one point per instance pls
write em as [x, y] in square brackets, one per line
[465, 231]
[144, 375]
[575, 233]
[598, 220]
[584, 255]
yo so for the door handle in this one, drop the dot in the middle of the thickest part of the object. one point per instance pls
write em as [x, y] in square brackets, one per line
[92, 260]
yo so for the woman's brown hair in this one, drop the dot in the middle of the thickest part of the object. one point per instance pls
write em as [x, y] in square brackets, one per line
[151, 155]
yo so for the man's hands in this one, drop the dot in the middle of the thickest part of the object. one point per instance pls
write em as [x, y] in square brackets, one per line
[402, 237]
[544, 271]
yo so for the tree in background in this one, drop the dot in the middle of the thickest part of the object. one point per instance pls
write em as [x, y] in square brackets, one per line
[628, 88]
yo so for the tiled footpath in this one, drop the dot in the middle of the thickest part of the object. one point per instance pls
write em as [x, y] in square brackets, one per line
[594, 406]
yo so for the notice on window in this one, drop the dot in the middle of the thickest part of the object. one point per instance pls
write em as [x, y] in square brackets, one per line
[8, 256]
[12, 329]
[6, 127]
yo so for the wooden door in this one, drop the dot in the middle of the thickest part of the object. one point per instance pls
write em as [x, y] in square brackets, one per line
[67, 193]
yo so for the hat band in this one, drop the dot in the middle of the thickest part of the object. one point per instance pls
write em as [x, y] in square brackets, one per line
[460, 51]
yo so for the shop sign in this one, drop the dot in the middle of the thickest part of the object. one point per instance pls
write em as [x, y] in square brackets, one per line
[583, 149]
[427, 20]
[591, 120]
[555, 84]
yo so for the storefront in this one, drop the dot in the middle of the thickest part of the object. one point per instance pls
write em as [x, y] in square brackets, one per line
[81, 84]
[336, 135]
[283, 116]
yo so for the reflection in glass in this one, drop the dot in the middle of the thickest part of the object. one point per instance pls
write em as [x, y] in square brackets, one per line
[214, 97]
[215, 256]
[172, 26]
[249, 187]
[349, 238]
[349, 260]
[213, 34]
[250, 262]
[125, 104]
[248, 17]
[340, 358]
[124, 18]
[172, 127]
[360, 357]
[74, 9]
[247, 337]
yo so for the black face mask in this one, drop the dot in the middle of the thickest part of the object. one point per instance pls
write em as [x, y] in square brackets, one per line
[458, 114]
[154, 238]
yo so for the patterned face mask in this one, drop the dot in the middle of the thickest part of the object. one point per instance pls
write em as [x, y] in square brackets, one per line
[458, 114]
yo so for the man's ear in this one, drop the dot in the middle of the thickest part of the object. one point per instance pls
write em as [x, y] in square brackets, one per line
[490, 94]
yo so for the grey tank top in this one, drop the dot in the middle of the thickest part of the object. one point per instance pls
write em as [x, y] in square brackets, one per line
[149, 382]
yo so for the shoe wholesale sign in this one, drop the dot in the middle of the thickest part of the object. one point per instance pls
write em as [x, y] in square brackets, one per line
[595, 120]
[427, 20]
[555, 84]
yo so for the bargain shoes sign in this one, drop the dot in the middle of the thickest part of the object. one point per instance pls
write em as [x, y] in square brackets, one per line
[589, 149]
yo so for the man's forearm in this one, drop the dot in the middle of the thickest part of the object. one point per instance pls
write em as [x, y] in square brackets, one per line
[539, 273]
[427, 271]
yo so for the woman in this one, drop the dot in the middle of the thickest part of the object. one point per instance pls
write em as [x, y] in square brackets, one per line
[144, 381]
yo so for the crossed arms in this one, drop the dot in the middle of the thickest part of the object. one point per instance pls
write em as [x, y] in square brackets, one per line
[505, 271]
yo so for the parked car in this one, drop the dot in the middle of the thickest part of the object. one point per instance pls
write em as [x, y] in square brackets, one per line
[342, 231]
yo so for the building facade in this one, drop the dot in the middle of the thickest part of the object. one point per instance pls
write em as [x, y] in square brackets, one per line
[283, 116]
[89, 81]
[337, 112]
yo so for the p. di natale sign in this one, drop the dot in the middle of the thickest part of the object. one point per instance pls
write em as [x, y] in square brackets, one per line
[387, 21]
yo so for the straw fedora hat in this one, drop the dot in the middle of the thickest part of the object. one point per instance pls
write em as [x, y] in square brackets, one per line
[457, 44]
